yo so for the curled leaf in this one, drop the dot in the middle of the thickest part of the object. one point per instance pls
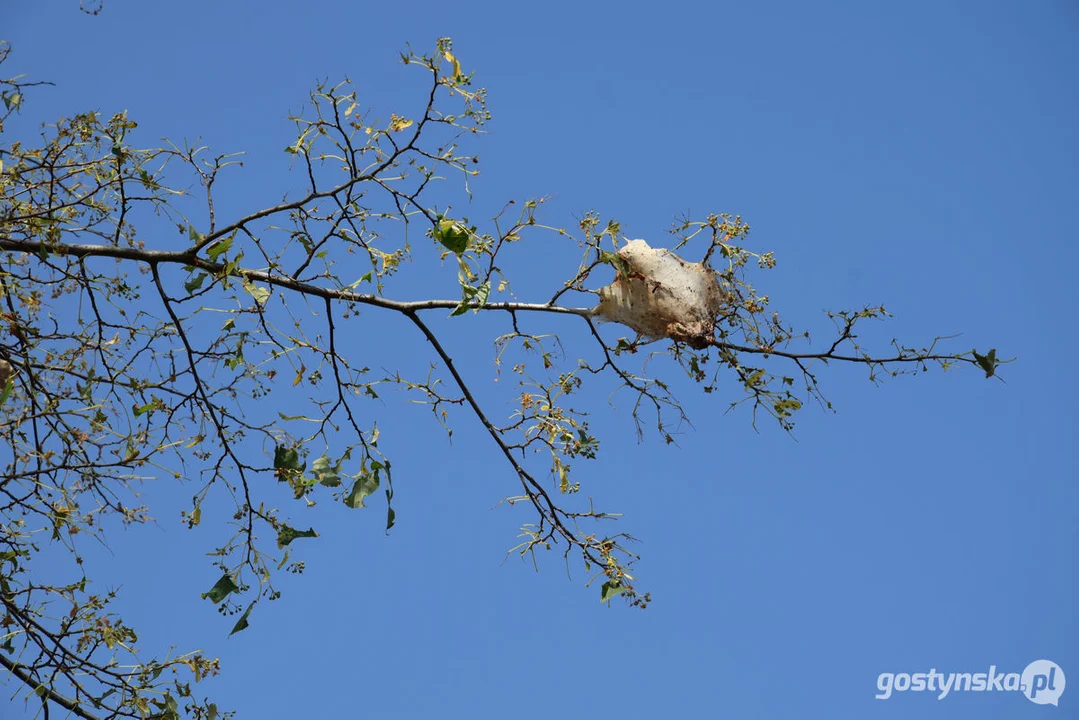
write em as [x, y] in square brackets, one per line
[456, 63]
[452, 234]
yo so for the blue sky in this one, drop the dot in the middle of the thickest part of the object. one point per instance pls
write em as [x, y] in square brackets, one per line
[921, 155]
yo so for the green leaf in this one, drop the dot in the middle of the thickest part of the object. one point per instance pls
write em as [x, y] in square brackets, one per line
[610, 589]
[616, 261]
[142, 409]
[10, 388]
[461, 309]
[193, 235]
[221, 589]
[12, 100]
[987, 362]
[366, 277]
[241, 624]
[326, 474]
[481, 296]
[287, 458]
[194, 283]
[221, 246]
[286, 535]
[472, 298]
[391, 516]
[283, 416]
[363, 487]
[452, 234]
[260, 294]
[233, 264]
[236, 360]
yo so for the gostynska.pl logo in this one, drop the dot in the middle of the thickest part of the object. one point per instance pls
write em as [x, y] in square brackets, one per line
[1041, 682]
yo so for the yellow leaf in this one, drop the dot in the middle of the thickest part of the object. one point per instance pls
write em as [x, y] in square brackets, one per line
[456, 64]
[398, 123]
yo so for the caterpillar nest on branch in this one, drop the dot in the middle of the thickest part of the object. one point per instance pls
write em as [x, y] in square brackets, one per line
[660, 295]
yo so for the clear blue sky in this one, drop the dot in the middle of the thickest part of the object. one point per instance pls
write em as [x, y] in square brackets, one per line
[922, 155]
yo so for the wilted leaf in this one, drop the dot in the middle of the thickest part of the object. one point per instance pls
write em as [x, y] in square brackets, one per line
[287, 534]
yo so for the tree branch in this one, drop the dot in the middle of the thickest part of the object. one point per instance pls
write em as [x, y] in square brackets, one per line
[49, 692]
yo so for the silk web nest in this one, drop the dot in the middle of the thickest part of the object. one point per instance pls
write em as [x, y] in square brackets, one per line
[660, 295]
